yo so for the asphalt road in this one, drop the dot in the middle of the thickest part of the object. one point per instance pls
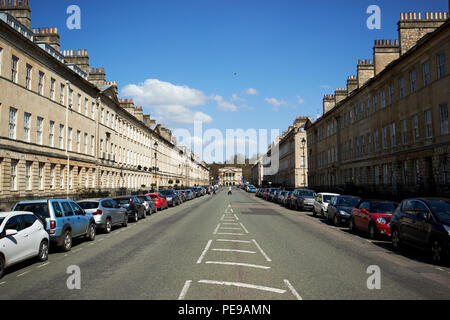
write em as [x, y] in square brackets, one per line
[229, 248]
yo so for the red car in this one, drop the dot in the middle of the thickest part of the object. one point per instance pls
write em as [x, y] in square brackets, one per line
[373, 216]
[160, 201]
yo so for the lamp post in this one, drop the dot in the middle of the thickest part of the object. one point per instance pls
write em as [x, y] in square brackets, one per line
[156, 164]
[304, 162]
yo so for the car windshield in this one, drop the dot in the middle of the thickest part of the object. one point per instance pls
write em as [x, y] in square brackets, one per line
[382, 207]
[123, 200]
[441, 208]
[307, 193]
[347, 201]
[143, 198]
[88, 205]
[1, 220]
[153, 196]
[39, 209]
[327, 198]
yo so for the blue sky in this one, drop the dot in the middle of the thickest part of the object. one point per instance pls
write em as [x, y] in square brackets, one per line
[290, 51]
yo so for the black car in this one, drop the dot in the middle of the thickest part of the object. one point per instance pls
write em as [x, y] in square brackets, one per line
[340, 209]
[423, 223]
[135, 207]
[151, 208]
[172, 197]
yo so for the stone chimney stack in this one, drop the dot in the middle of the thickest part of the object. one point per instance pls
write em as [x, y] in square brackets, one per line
[413, 26]
[352, 84]
[328, 103]
[384, 52]
[148, 121]
[366, 71]
[79, 58]
[97, 77]
[128, 105]
[48, 35]
[339, 95]
[139, 113]
[19, 9]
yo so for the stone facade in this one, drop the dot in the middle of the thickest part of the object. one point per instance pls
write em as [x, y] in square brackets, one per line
[64, 130]
[390, 136]
[230, 176]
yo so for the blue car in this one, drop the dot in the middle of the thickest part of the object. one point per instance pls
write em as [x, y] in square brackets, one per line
[63, 220]
[252, 190]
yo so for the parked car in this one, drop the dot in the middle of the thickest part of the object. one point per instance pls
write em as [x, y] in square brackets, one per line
[188, 194]
[134, 207]
[373, 216]
[274, 195]
[281, 196]
[181, 196]
[22, 237]
[340, 209]
[423, 223]
[172, 197]
[251, 189]
[159, 200]
[63, 220]
[303, 199]
[106, 212]
[286, 199]
[265, 194]
[269, 193]
[321, 203]
[150, 206]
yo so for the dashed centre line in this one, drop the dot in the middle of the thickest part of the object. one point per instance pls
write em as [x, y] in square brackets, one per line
[204, 252]
[238, 264]
[185, 290]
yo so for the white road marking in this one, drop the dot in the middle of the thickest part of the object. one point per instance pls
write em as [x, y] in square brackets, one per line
[229, 233]
[260, 249]
[22, 274]
[2, 283]
[243, 285]
[233, 250]
[230, 228]
[43, 265]
[294, 292]
[231, 223]
[236, 217]
[204, 251]
[217, 229]
[241, 241]
[238, 264]
[245, 229]
[185, 290]
[440, 268]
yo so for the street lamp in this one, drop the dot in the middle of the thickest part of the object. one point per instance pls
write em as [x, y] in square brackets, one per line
[304, 162]
[155, 145]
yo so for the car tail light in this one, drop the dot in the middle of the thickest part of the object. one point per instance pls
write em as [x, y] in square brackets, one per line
[97, 213]
[131, 201]
[52, 224]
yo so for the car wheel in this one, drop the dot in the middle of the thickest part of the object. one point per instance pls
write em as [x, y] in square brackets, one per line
[125, 221]
[43, 251]
[136, 217]
[351, 225]
[144, 214]
[437, 251]
[396, 242]
[372, 231]
[336, 220]
[91, 232]
[67, 241]
[314, 212]
[108, 226]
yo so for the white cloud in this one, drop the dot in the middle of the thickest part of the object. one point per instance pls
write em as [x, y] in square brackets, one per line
[325, 86]
[251, 92]
[224, 105]
[300, 100]
[168, 102]
[235, 97]
[276, 103]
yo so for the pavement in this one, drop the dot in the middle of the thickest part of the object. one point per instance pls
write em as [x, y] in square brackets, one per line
[236, 247]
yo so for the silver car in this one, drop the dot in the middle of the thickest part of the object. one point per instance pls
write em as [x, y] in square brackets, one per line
[107, 213]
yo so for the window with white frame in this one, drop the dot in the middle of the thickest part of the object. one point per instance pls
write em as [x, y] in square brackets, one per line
[61, 93]
[92, 146]
[413, 80]
[102, 115]
[14, 68]
[86, 107]
[428, 124]
[41, 175]
[26, 127]
[28, 183]
[69, 139]
[52, 89]
[52, 176]
[415, 127]
[61, 176]
[93, 111]
[61, 136]
[79, 103]
[13, 175]
[443, 113]
[29, 70]
[71, 177]
[12, 123]
[78, 141]
[39, 130]
[41, 83]
[426, 73]
[51, 134]
[440, 61]
[85, 143]
[70, 98]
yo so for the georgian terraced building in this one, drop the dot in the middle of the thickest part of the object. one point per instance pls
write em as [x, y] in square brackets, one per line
[387, 133]
[63, 128]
